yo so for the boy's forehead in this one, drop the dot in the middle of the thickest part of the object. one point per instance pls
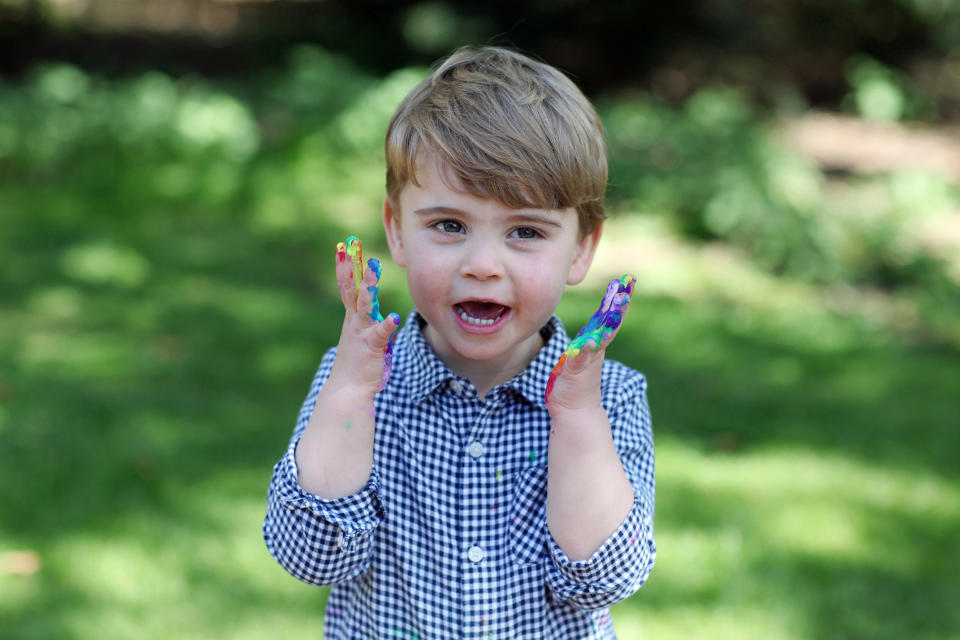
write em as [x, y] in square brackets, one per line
[430, 171]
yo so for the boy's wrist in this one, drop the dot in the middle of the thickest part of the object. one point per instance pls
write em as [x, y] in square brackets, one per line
[573, 415]
[348, 390]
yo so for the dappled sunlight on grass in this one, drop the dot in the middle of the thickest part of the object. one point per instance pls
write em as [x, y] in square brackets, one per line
[204, 559]
[752, 622]
[667, 265]
[736, 530]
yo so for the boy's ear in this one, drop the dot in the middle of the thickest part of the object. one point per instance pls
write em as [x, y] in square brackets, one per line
[583, 255]
[391, 225]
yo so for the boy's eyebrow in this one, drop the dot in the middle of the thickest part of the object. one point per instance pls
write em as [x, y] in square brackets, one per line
[429, 211]
[543, 216]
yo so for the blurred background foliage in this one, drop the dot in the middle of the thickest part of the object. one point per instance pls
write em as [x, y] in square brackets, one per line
[785, 180]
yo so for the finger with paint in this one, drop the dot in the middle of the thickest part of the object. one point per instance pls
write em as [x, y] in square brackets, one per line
[602, 326]
[353, 248]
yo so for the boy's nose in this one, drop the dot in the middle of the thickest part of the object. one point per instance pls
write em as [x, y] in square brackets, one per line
[482, 262]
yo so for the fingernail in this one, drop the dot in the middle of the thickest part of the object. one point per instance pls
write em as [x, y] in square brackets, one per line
[374, 265]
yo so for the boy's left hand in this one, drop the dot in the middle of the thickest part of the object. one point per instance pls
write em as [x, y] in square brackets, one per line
[575, 381]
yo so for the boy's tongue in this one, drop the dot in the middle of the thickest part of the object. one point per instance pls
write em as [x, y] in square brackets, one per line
[482, 310]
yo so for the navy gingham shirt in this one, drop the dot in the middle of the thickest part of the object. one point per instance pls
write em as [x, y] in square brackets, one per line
[448, 539]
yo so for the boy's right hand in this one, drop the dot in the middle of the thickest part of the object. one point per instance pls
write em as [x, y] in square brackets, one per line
[365, 350]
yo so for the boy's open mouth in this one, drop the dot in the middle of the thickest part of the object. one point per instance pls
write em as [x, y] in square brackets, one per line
[479, 313]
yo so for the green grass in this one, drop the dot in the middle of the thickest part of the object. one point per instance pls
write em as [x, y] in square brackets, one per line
[162, 313]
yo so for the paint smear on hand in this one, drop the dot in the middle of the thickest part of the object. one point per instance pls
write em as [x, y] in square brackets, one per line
[354, 249]
[388, 353]
[604, 322]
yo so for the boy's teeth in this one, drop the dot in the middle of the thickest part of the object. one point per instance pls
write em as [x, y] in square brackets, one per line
[482, 322]
[476, 321]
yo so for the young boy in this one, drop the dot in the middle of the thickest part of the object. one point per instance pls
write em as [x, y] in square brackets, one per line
[450, 495]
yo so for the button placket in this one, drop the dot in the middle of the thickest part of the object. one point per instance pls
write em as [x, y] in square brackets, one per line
[477, 559]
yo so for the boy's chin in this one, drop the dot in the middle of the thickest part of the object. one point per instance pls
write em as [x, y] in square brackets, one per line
[493, 349]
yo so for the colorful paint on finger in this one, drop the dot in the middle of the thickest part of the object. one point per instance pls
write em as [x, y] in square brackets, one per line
[601, 326]
[388, 352]
[353, 248]
[355, 251]
[374, 291]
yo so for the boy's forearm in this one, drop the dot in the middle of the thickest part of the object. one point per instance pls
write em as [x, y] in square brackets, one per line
[335, 454]
[588, 493]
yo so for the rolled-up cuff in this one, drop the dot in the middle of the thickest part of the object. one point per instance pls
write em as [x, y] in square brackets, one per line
[614, 571]
[354, 515]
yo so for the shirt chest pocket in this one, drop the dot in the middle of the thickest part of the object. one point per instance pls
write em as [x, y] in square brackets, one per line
[528, 516]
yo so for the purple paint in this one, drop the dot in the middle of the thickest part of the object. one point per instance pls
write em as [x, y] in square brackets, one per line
[599, 330]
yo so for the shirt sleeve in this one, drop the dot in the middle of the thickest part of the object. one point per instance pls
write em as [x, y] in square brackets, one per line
[319, 541]
[624, 561]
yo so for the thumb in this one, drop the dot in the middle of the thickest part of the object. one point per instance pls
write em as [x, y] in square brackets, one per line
[385, 330]
[580, 362]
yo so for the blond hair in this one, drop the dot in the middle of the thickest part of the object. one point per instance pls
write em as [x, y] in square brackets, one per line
[508, 128]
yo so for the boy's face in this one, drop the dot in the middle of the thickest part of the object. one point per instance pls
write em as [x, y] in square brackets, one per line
[484, 276]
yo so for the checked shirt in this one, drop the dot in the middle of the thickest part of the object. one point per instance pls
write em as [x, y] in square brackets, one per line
[448, 539]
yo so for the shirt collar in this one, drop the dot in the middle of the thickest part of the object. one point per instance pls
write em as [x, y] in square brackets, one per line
[424, 371]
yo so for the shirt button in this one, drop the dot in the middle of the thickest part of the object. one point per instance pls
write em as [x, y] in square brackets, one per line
[475, 449]
[475, 554]
[456, 386]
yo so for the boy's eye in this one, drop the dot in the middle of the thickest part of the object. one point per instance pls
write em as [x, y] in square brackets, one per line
[449, 226]
[526, 233]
